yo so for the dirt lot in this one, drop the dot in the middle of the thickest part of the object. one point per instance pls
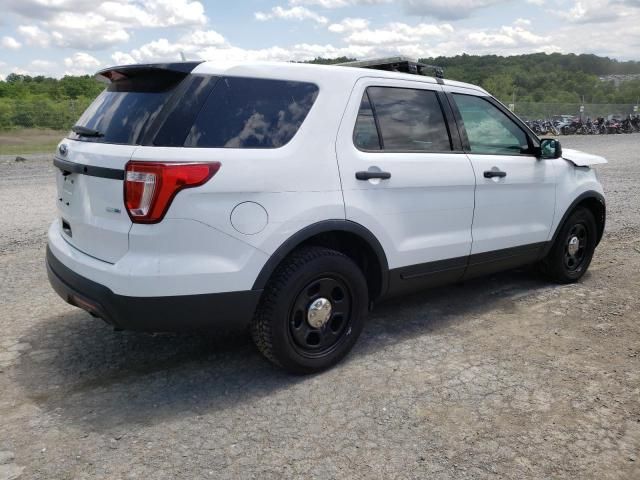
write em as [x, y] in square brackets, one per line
[506, 377]
[29, 140]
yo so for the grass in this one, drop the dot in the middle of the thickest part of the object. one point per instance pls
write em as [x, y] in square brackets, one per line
[30, 140]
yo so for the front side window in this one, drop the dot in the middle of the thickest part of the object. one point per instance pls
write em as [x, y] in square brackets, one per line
[489, 130]
[409, 120]
[252, 113]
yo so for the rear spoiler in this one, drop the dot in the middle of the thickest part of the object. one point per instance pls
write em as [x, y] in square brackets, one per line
[120, 72]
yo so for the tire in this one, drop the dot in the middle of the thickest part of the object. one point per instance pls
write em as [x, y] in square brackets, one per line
[294, 328]
[561, 265]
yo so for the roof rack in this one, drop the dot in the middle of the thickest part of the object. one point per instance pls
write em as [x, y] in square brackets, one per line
[397, 64]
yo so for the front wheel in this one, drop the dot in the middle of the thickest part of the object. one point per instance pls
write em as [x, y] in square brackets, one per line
[312, 310]
[573, 249]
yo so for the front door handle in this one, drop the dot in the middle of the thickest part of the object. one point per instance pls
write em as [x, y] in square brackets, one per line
[494, 173]
[371, 175]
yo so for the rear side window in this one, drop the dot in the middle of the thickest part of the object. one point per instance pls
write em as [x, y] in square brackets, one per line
[127, 107]
[408, 119]
[365, 135]
[252, 113]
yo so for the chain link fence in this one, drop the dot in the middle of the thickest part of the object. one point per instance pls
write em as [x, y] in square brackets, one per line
[551, 111]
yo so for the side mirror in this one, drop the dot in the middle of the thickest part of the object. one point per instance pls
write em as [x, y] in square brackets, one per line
[550, 148]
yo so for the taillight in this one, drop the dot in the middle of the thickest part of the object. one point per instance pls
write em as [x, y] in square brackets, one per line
[149, 187]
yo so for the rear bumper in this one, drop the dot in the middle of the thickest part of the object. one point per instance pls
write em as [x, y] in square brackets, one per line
[228, 311]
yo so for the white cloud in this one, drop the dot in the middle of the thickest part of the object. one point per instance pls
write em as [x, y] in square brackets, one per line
[507, 36]
[443, 9]
[81, 63]
[159, 13]
[293, 13]
[339, 3]
[10, 43]
[148, 13]
[89, 31]
[204, 38]
[358, 39]
[522, 22]
[349, 25]
[599, 11]
[93, 26]
[446, 9]
[34, 36]
[398, 34]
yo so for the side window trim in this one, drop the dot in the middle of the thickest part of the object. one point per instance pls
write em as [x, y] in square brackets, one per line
[466, 145]
[452, 127]
[454, 136]
[375, 119]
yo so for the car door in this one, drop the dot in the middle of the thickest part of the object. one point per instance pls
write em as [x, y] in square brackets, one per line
[515, 190]
[405, 178]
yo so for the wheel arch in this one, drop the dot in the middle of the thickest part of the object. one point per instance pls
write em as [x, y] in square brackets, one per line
[348, 237]
[592, 200]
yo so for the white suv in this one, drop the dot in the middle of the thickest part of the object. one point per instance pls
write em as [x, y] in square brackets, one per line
[291, 197]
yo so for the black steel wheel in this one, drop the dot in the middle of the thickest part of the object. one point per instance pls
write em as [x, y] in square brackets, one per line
[573, 248]
[321, 316]
[312, 310]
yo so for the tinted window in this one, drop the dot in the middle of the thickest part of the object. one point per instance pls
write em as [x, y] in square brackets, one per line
[125, 109]
[489, 130]
[178, 116]
[409, 119]
[252, 113]
[365, 134]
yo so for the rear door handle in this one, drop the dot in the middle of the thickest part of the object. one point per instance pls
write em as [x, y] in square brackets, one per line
[494, 173]
[370, 175]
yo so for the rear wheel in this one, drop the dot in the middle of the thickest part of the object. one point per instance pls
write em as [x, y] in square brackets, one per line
[312, 310]
[573, 249]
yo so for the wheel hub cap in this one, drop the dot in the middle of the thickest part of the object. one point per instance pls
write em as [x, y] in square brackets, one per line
[573, 246]
[319, 312]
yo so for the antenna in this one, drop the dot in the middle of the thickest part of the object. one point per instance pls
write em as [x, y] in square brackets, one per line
[182, 56]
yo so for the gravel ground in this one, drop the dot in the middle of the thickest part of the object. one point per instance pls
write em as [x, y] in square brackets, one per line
[502, 377]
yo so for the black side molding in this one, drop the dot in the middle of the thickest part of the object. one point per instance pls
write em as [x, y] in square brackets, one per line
[91, 170]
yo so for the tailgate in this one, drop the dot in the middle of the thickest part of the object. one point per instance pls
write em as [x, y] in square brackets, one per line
[90, 198]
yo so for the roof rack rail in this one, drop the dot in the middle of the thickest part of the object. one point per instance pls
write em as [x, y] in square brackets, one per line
[397, 64]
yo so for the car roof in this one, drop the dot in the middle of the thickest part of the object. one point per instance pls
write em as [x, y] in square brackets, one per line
[323, 75]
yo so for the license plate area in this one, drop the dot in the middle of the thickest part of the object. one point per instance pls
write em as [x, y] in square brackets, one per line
[66, 187]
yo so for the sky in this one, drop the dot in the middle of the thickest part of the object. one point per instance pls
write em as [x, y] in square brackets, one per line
[75, 37]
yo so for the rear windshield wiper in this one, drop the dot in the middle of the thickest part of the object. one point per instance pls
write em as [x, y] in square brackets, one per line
[86, 132]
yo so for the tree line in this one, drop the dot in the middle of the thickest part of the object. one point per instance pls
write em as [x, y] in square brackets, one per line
[43, 102]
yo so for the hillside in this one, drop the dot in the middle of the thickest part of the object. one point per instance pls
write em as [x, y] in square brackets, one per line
[549, 78]
[27, 102]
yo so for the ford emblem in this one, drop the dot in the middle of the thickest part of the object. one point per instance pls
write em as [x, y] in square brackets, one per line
[63, 149]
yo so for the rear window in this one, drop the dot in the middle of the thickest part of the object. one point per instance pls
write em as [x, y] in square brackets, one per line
[409, 120]
[123, 112]
[252, 113]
